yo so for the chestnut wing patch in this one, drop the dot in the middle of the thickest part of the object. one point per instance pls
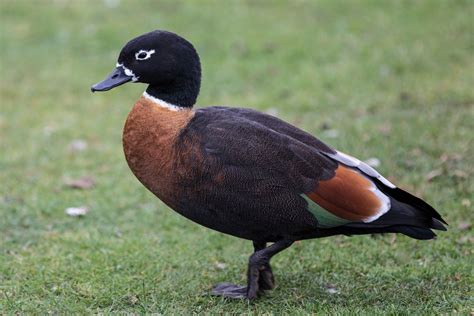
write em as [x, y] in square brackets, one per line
[349, 196]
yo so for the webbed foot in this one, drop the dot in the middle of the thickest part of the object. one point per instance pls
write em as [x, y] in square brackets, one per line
[264, 281]
[230, 290]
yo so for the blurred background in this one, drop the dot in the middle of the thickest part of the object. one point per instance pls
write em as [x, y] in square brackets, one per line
[387, 81]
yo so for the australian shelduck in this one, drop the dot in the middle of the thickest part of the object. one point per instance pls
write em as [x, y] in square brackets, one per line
[246, 173]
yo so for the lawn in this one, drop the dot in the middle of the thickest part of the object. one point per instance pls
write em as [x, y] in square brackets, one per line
[391, 80]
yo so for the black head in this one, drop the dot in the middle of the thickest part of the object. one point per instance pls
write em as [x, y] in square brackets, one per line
[165, 61]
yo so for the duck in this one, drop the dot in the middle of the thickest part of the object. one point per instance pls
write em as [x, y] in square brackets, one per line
[245, 173]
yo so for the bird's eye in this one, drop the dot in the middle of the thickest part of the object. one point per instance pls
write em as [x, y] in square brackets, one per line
[144, 54]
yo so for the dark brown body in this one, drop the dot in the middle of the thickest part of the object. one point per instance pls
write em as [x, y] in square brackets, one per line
[246, 173]
[249, 199]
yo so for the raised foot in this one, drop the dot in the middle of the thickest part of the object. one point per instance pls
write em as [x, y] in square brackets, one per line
[230, 290]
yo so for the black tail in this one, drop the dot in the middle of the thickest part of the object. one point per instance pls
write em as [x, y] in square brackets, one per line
[408, 215]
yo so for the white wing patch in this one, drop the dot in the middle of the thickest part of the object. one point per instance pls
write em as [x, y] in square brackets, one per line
[362, 166]
[385, 201]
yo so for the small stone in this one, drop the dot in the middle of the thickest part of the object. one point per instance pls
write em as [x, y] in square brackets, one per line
[133, 299]
[77, 211]
[220, 265]
[331, 289]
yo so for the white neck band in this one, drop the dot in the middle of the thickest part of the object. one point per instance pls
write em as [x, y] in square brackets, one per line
[162, 103]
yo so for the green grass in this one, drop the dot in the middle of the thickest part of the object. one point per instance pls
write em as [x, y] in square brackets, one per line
[394, 78]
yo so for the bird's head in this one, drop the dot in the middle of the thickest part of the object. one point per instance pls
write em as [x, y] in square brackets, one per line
[162, 59]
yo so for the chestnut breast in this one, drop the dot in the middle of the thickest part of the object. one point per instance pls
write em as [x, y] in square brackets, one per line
[149, 142]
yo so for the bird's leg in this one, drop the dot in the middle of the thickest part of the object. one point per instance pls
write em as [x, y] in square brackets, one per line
[258, 261]
[266, 281]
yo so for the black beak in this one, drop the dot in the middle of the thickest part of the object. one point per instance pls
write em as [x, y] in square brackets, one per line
[115, 79]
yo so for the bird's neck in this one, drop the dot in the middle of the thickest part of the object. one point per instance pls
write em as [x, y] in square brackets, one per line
[182, 93]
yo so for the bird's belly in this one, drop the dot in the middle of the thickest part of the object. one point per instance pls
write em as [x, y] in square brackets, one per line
[220, 218]
[266, 217]
[222, 221]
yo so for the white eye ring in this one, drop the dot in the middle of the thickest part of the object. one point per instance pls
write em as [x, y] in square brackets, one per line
[147, 52]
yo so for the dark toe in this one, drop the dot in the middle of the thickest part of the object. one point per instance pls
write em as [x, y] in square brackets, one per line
[230, 290]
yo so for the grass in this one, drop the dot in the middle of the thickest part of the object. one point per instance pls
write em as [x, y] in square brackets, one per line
[389, 79]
